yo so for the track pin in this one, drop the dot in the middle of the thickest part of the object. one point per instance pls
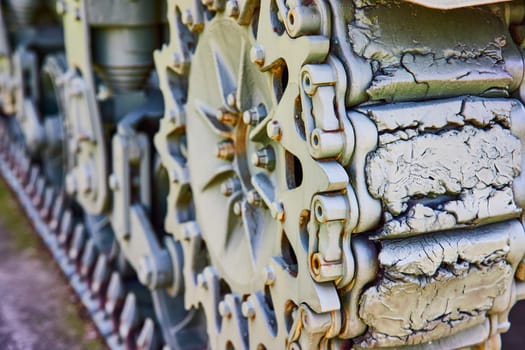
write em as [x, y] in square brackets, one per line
[77, 243]
[24, 170]
[66, 229]
[129, 318]
[100, 277]
[146, 339]
[33, 176]
[114, 296]
[56, 215]
[88, 259]
[11, 157]
[38, 197]
[49, 196]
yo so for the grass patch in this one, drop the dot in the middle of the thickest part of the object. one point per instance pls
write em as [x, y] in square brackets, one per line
[13, 220]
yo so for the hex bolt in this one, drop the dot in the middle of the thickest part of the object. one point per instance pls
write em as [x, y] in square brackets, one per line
[201, 281]
[253, 197]
[61, 8]
[113, 182]
[248, 310]
[269, 275]
[187, 18]
[77, 14]
[75, 90]
[273, 130]
[230, 186]
[232, 8]
[277, 211]
[177, 59]
[237, 208]
[225, 150]
[231, 100]
[227, 116]
[264, 158]
[224, 309]
[255, 115]
[145, 271]
[257, 55]
[85, 184]
[71, 184]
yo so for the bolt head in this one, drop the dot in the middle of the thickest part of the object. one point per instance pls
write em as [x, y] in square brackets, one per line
[255, 115]
[257, 55]
[225, 150]
[145, 272]
[248, 310]
[60, 8]
[237, 208]
[177, 59]
[71, 184]
[248, 117]
[253, 197]
[256, 159]
[230, 186]
[187, 18]
[277, 211]
[113, 182]
[75, 90]
[269, 275]
[226, 116]
[232, 8]
[172, 116]
[201, 281]
[273, 130]
[231, 99]
[264, 158]
[224, 309]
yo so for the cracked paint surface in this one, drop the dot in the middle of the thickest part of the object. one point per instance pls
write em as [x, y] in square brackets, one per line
[409, 61]
[437, 285]
[443, 166]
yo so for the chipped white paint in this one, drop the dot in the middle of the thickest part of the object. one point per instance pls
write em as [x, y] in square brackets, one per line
[440, 284]
[440, 167]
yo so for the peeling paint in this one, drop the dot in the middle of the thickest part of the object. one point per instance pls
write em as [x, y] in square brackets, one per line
[437, 285]
[444, 165]
[409, 61]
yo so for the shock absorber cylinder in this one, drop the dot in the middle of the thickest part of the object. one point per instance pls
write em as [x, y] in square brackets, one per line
[124, 35]
[23, 11]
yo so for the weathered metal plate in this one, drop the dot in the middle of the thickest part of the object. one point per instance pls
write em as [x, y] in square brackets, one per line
[453, 4]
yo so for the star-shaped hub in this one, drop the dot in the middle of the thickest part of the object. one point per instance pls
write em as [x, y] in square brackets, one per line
[233, 160]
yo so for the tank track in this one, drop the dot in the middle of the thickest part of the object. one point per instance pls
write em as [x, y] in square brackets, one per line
[331, 216]
[95, 278]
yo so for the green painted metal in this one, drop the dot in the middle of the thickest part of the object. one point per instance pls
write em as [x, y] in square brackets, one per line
[274, 174]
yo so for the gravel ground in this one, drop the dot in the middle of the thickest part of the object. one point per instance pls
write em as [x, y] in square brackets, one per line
[37, 309]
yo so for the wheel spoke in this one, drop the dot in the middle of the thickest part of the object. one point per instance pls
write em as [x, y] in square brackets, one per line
[208, 115]
[225, 78]
[219, 175]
